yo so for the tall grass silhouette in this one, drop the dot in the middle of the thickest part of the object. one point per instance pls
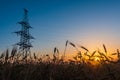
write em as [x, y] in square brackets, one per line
[96, 65]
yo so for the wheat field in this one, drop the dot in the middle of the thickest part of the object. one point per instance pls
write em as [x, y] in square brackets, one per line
[96, 65]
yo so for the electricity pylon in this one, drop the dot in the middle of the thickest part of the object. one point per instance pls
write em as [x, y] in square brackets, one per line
[25, 36]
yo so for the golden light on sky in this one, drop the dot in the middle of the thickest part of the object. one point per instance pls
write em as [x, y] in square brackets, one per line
[88, 24]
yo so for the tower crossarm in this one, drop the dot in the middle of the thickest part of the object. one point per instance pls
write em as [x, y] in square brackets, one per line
[25, 24]
[19, 32]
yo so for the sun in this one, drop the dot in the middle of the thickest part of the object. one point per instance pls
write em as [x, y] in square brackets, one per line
[96, 59]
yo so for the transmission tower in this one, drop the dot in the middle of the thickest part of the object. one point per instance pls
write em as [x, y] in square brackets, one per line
[25, 36]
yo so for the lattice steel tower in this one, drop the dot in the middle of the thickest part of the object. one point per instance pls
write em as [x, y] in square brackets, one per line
[25, 36]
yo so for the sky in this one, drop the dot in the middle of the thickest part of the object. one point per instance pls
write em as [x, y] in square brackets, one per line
[90, 23]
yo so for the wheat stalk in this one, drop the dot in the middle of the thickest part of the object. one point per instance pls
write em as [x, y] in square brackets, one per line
[84, 48]
[105, 49]
[7, 55]
[65, 47]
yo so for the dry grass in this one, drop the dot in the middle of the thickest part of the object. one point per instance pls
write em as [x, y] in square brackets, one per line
[86, 65]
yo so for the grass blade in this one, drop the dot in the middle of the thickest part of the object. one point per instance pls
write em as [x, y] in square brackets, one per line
[72, 44]
[84, 48]
[7, 55]
[93, 53]
[105, 49]
[66, 43]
